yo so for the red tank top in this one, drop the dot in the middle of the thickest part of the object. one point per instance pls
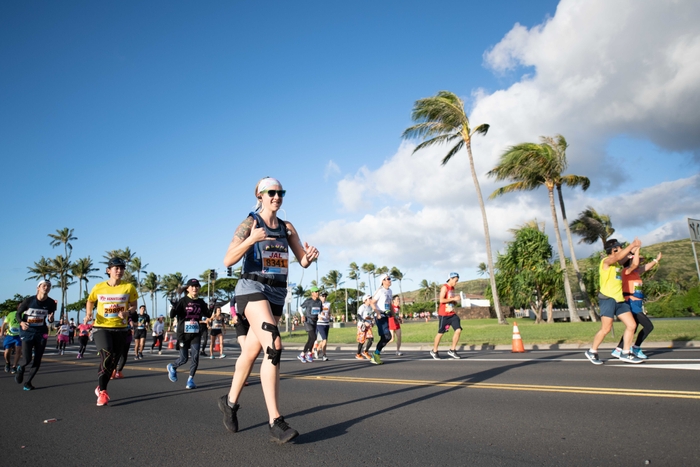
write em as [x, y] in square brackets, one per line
[447, 309]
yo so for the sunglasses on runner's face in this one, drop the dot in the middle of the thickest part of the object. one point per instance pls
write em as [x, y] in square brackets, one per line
[272, 193]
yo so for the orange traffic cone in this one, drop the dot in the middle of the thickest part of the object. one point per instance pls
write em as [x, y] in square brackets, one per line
[217, 348]
[171, 344]
[517, 340]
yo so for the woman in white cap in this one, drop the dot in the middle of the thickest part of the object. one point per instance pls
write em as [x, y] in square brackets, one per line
[381, 303]
[263, 242]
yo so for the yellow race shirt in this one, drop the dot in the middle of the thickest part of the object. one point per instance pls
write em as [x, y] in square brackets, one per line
[110, 301]
[611, 281]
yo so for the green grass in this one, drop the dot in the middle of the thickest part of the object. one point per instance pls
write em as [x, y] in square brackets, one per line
[488, 332]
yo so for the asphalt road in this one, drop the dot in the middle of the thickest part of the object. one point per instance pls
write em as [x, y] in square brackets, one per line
[491, 408]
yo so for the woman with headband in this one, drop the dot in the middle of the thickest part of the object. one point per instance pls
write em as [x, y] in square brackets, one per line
[263, 242]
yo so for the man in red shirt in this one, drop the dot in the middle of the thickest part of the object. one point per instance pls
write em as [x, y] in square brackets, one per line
[447, 317]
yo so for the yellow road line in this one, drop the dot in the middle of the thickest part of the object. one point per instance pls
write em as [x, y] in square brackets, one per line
[453, 384]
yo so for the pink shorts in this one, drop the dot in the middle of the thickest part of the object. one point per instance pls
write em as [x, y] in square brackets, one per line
[62, 338]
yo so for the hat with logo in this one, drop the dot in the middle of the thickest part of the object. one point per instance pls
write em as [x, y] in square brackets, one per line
[116, 262]
[193, 283]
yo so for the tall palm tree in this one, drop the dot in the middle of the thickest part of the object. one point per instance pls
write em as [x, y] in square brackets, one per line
[442, 119]
[332, 279]
[137, 267]
[559, 144]
[82, 269]
[592, 226]
[529, 166]
[151, 285]
[354, 274]
[61, 269]
[369, 269]
[63, 237]
[397, 275]
[40, 270]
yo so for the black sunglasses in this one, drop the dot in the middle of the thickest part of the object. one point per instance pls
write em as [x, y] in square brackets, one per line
[272, 193]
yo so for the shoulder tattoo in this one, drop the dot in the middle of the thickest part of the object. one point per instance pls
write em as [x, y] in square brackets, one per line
[243, 230]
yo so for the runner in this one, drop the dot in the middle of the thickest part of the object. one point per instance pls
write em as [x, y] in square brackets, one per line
[611, 301]
[113, 300]
[33, 312]
[11, 342]
[63, 335]
[71, 336]
[263, 242]
[365, 320]
[632, 291]
[448, 318]
[83, 336]
[312, 308]
[381, 304]
[323, 325]
[158, 330]
[189, 312]
[141, 326]
[395, 323]
[218, 331]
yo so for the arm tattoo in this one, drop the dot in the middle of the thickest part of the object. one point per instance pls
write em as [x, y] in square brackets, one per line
[243, 230]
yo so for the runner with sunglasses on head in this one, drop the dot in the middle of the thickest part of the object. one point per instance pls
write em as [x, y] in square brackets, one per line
[114, 300]
[612, 303]
[263, 242]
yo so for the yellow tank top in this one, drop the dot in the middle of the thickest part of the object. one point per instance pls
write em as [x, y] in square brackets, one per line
[611, 281]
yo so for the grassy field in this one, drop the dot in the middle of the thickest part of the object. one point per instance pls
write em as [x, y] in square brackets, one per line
[488, 332]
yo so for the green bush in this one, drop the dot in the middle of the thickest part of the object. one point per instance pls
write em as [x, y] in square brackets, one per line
[676, 305]
[418, 307]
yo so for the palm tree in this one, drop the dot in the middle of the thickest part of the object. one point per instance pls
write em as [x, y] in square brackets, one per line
[442, 119]
[592, 226]
[298, 292]
[332, 279]
[137, 267]
[530, 166]
[397, 275]
[63, 237]
[151, 285]
[354, 275]
[61, 269]
[41, 270]
[369, 268]
[482, 269]
[82, 268]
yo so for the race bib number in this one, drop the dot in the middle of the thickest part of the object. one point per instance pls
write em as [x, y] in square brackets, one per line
[112, 310]
[14, 330]
[36, 316]
[275, 262]
[191, 327]
[315, 311]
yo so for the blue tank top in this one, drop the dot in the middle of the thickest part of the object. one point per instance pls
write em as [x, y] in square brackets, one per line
[269, 258]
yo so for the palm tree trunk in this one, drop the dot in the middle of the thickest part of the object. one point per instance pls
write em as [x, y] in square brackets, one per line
[487, 237]
[573, 316]
[574, 262]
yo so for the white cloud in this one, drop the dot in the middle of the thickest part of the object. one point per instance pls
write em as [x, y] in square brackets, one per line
[330, 170]
[594, 72]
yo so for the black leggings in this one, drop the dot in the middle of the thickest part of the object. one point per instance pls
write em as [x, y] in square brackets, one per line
[367, 344]
[111, 344]
[157, 340]
[83, 344]
[309, 346]
[647, 327]
[38, 344]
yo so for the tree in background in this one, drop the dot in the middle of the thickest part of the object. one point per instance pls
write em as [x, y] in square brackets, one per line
[332, 279]
[441, 119]
[11, 304]
[397, 275]
[354, 274]
[136, 267]
[40, 270]
[61, 265]
[592, 226]
[82, 269]
[369, 268]
[482, 269]
[526, 275]
[529, 166]
[151, 286]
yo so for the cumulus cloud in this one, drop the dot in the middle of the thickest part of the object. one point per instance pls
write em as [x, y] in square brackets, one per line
[592, 72]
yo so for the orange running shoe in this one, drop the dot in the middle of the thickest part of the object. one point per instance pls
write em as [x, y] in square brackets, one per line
[367, 356]
[102, 398]
[359, 357]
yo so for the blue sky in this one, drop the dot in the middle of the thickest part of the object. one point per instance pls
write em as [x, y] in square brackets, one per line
[147, 124]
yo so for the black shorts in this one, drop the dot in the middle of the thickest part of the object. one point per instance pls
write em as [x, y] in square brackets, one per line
[242, 302]
[139, 334]
[215, 332]
[444, 323]
[242, 325]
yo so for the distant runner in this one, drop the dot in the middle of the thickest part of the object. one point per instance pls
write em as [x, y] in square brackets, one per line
[381, 304]
[448, 318]
[11, 341]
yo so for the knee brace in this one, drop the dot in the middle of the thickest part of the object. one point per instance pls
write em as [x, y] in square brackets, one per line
[272, 353]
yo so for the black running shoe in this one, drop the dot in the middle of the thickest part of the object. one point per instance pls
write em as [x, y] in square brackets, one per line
[19, 376]
[281, 432]
[230, 417]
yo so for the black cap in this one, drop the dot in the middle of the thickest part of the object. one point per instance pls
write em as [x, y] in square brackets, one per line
[116, 262]
[193, 282]
[610, 244]
[324, 294]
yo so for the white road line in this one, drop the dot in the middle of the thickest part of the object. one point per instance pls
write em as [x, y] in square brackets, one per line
[677, 366]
